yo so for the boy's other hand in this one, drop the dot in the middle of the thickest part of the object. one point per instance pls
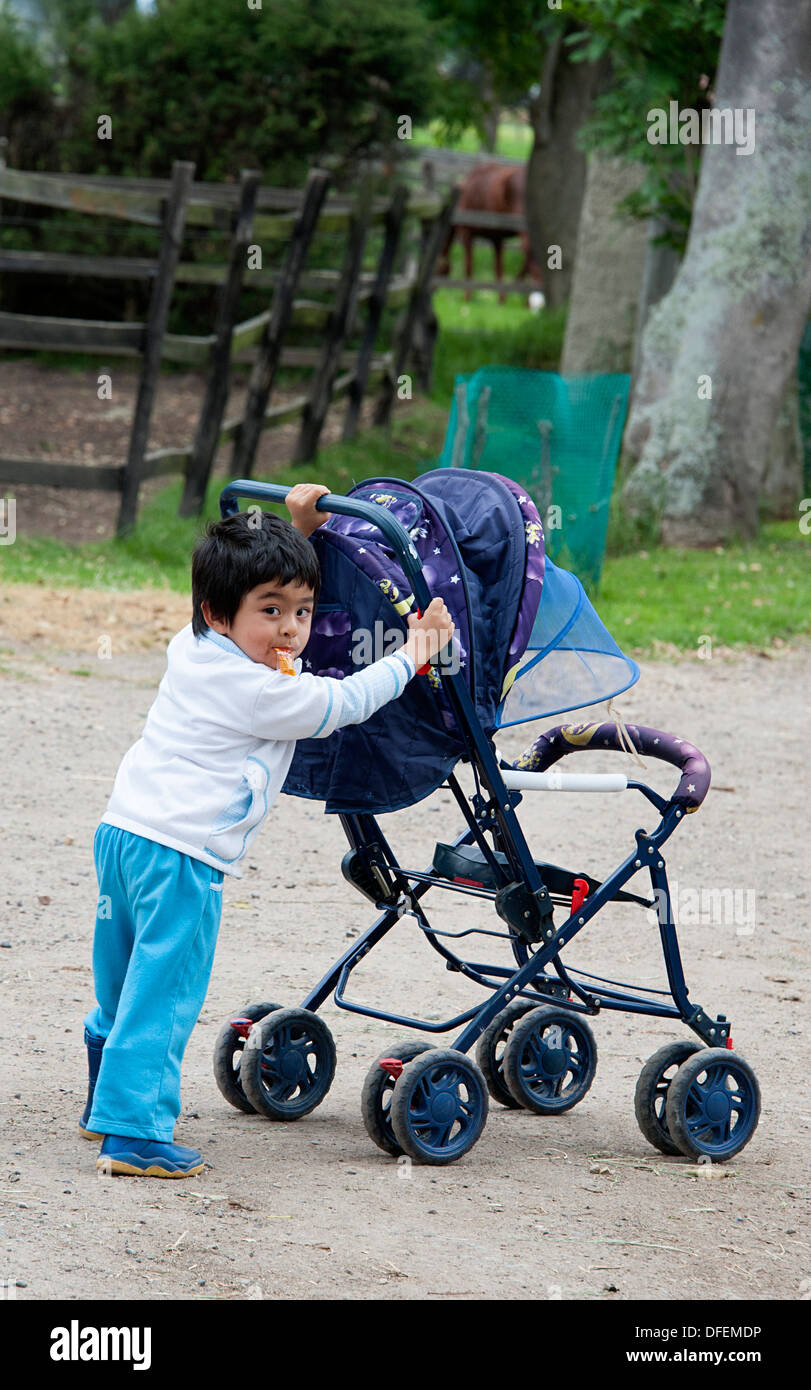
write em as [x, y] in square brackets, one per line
[300, 502]
[430, 633]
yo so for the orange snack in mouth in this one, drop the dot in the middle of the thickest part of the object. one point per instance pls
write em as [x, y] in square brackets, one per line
[284, 657]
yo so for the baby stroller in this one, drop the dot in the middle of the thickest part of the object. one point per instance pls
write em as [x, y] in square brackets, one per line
[527, 644]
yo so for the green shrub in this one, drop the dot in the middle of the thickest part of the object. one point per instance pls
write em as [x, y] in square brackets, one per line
[229, 86]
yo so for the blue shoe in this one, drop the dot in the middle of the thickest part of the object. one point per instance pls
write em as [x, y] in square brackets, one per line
[95, 1047]
[147, 1158]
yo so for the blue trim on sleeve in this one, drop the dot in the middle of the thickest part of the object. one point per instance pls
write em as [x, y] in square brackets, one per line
[407, 663]
[327, 715]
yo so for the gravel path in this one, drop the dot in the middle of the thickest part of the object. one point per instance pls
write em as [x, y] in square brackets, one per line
[573, 1207]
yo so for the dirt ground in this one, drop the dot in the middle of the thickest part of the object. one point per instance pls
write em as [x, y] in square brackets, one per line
[572, 1207]
[48, 413]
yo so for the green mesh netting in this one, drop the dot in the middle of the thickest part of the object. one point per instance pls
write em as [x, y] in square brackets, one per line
[804, 384]
[559, 437]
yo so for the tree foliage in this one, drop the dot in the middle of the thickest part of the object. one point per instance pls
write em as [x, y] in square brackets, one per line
[25, 91]
[659, 53]
[492, 54]
[276, 88]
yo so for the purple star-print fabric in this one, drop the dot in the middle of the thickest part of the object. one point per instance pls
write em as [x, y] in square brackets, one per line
[653, 743]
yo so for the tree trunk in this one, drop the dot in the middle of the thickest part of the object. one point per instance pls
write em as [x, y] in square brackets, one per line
[783, 476]
[658, 273]
[556, 171]
[608, 274]
[491, 113]
[719, 350]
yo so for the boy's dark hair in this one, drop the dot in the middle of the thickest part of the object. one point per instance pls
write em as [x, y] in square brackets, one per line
[242, 551]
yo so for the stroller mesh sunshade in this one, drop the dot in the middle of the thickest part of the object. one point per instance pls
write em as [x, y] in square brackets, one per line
[530, 642]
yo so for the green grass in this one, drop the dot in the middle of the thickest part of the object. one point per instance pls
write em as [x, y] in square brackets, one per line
[739, 595]
[158, 551]
[651, 600]
[482, 332]
[742, 595]
[514, 139]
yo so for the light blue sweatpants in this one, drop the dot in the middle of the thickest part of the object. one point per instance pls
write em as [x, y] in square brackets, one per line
[157, 920]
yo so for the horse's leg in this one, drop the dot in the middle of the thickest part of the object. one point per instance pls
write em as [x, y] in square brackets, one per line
[498, 247]
[526, 264]
[444, 266]
[467, 242]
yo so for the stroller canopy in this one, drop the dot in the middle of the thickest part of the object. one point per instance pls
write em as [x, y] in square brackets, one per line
[530, 642]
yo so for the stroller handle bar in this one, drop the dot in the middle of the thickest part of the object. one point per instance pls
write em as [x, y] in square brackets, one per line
[565, 781]
[378, 516]
[652, 743]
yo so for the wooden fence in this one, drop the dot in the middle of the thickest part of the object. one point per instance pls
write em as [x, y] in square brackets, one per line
[249, 215]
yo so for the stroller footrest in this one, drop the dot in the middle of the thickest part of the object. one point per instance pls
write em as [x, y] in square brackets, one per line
[466, 864]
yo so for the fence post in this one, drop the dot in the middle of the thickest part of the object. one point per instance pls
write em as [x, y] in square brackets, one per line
[459, 449]
[419, 305]
[480, 430]
[216, 396]
[270, 349]
[377, 300]
[173, 224]
[339, 324]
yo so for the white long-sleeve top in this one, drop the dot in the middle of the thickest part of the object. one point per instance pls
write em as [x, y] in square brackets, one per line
[219, 739]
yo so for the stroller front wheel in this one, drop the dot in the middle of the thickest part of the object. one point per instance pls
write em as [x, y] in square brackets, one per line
[377, 1093]
[550, 1060]
[713, 1104]
[288, 1064]
[491, 1047]
[650, 1096]
[228, 1051]
[439, 1106]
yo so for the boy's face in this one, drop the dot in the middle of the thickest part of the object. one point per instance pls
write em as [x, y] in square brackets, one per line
[271, 615]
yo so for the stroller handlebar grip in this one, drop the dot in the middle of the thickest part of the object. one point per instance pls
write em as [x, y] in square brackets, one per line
[654, 743]
[555, 781]
[379, 516]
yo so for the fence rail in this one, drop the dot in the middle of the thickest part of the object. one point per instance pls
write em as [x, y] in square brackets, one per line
[248, 214]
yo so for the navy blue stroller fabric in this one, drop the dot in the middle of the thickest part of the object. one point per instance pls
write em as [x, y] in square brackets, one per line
[529, 641]
[471, 539]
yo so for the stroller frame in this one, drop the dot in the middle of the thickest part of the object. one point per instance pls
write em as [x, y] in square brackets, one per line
[523, 901]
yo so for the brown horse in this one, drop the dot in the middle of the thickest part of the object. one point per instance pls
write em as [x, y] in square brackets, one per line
[497, 188]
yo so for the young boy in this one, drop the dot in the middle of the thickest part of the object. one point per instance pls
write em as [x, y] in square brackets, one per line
[189, 798]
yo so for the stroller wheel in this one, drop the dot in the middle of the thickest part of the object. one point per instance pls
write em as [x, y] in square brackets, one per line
[652, 1087]
[288, 1064]
[228, 1051]
[439, 1106]
[490, 1051]
[377, 1093]
[550, 1060]
[713, 1104]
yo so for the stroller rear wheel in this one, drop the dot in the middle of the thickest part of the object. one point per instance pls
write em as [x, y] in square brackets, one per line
[713, 1104]
[377, 1092]
[288, 1064]
[439, 1106]
[490, 1051]
[550, 1060]
[228, 1051]
[650, 1097]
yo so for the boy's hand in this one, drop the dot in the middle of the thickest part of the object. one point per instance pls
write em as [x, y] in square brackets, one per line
[300, 502]
[430, 633]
